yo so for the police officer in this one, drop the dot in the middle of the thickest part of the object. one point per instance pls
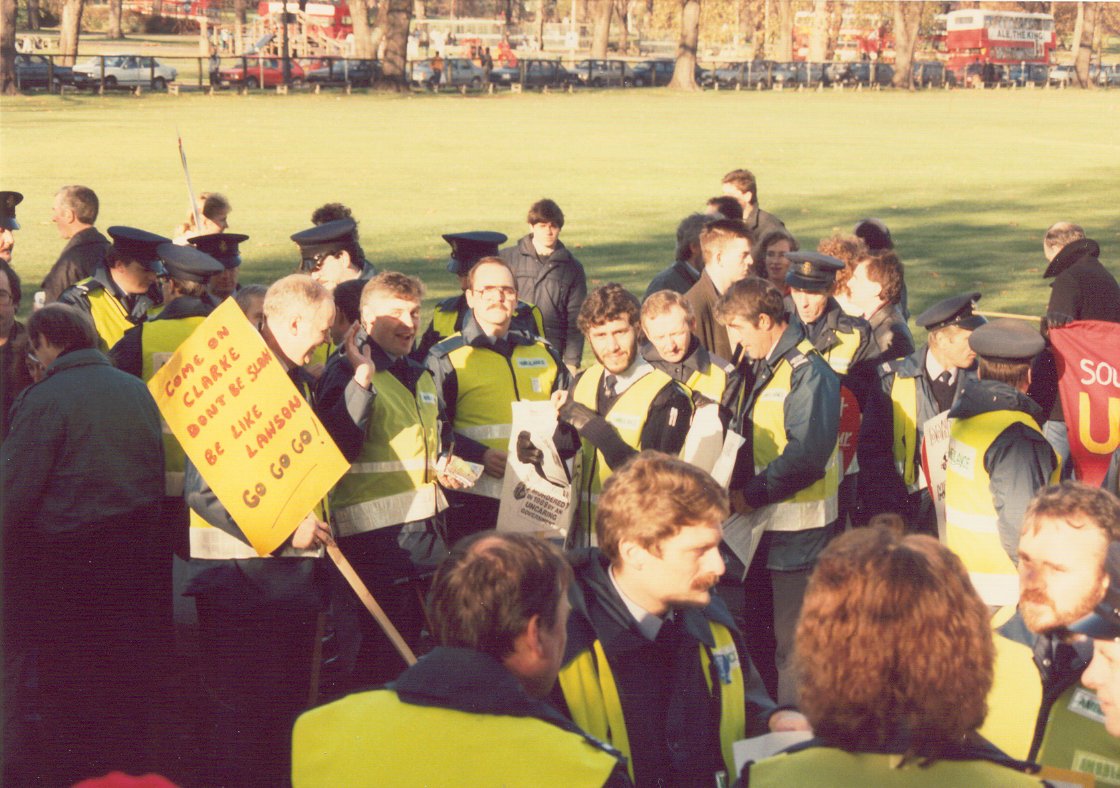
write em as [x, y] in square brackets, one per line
[921, 386]
[671, 345]
[122, 292]
[330, 253]
[225, 248]
[8, 223]
[479, 372]
[466, 250]
[473, 711]
[998, 458]
[786, 406]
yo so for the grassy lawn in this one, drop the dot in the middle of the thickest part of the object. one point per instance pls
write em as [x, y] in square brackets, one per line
[967, 181]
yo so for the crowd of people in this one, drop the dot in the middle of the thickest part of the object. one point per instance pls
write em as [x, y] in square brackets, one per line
[808, 581]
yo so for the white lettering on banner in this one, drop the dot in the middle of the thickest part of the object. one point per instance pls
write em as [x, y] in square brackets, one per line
[1103, 374]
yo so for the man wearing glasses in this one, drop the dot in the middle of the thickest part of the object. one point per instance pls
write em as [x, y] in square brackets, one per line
[124, 289]
[330, 253]
[479, 372]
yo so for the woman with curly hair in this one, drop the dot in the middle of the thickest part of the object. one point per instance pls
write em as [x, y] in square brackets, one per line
[894, 657]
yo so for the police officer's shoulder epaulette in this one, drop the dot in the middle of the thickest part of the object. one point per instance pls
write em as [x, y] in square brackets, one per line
[445, 346]
[797, 359]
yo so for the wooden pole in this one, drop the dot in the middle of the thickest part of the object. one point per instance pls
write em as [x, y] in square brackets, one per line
[1034, 318]
[375, 610]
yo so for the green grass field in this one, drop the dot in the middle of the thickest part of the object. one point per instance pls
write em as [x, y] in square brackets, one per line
[967, 181]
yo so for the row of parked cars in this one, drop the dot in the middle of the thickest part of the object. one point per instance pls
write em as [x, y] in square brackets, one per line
[37, 71]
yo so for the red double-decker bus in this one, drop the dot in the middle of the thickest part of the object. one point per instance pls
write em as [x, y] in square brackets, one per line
[984, 36]
[332, 19]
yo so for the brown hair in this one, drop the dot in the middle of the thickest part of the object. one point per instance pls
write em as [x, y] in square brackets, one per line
[748, 300]
[885, 269]
[768, 239]
[1013, 373]
[395, 285]
[489, 261]
[846, 248]
[893, 640]
[63, 326]
[717, 234]
[651, 498]
[1078, 505]
[491, 585]
[744, 181]
[659, 303]
[610, 302]
[728, 206]
[545, 211]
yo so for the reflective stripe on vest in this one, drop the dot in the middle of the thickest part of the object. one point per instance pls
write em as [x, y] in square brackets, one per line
[971, 520]
[488, 385]
[159, 339]
[1074, 736]
[814, 506]
[110, 319]
[904, 411]
[592, 695]
[627, 415]
[373, 738]
[391, 480]
[834, 767]
[840, 355]
[711, 383]
[215, 544]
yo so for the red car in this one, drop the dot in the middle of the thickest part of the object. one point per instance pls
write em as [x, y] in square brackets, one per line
[265, 71]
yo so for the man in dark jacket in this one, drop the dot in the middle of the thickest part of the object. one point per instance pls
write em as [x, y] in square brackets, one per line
[742, 185]
[85, 569]
[1082, 289]
[685, 271]
[74, 213]
[550, 278]
[14, 345]
[647, 640]
[726, 244]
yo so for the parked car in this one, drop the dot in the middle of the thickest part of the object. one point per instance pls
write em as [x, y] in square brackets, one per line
[255, 72]
[457, 71]
[1022, 74]
[124, 71]
[603, 73]
[810, 74]
[986, 74]
[861, 73]
[362, 73]
[932, 73]
[532, 74]
[34, 71]
[654, 73]
[1109, 75]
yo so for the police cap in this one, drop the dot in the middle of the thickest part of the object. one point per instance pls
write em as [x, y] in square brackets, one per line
[1104, 622]
[874, 233]
[468, 248]
[955, 311]
[812, 270]
[221, 246]
[8, 203]
[1007, 338]
[325, 239]
[188, 264]
[138, 245]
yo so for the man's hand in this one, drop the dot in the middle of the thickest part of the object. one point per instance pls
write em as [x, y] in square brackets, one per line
[494, 463]
[789, 720]
[312, 532]
[576, 414]
[449, 482]
[558, 398]
[360, 360]
[739, 503]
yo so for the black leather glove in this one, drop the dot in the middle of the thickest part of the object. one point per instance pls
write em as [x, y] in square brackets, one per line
[576, 414]
[527, 452]
[1058, 319]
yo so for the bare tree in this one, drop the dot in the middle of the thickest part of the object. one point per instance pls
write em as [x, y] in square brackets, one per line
[907, 18]
[363, 40]
[116, 9]
[783, 43]
[684, 72]
[34, 20]
[8, 47]
[623, 26]
[601, 30]
[1085, 44]
[69, 29]
[818, 36]
[399, 18]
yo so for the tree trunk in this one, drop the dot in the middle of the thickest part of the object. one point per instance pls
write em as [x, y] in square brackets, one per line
[835, 22]
[623, 26]
[818, 36]
[69, 29]
[783, 42]
[744, 28]
[399, 17]
[363, 40]
[382, 25]
[1085, 43]
[601, 32]
[8, 47]
[907, 17]
[116, 9]
[34, 22]
[684, 73]
[1075, 44]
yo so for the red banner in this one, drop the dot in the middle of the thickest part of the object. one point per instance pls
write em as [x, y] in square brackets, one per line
[1087, 353]
[850, 419]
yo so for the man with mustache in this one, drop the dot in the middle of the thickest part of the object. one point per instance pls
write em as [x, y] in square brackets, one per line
[654, 663]
[1063, 548]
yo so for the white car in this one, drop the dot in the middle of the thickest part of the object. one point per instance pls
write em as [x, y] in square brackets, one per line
[124, 71]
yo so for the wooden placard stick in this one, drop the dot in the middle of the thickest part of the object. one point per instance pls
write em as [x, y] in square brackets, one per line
[985, 313]
[375, 610]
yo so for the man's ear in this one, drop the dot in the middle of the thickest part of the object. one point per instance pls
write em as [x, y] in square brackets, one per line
[533, 642]
[632, 554]
[294, 324]
[765, 322]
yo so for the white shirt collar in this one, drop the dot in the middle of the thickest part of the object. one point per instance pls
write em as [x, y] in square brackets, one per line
[934, 368]
[647, 622]
[635, 372]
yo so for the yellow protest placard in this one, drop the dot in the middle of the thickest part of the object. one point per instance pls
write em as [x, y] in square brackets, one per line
[246, 427]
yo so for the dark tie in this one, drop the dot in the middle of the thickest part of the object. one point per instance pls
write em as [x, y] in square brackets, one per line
[942, 391]
[609, 387]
